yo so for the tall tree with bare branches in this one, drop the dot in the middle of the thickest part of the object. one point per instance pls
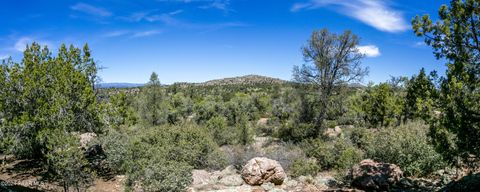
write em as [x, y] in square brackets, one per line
[331, 62]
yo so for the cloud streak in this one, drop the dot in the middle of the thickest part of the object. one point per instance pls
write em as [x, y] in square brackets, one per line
[21, 44]
[91, 10]
[146, 33]
[369, 50]
[375, 13]
[218, 4]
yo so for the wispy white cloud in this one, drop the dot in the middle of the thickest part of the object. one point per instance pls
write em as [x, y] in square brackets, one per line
[420, 44]
[22, 43]
[133, 33]
[369, 50]
[375, 13]
[171, 19]
[218, 4]
[151, 16]
[2, 57]
[146, 33]
[116, 33]
[92, 10]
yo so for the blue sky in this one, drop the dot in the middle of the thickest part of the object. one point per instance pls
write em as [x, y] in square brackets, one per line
[199, 40]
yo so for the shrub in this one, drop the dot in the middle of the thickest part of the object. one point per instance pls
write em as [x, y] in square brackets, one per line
[65, 160]
[296, 132]
[362, 138]
[160, 175]
[161, 158]
[285, 153]
[304, 166]
[222, 134]
[407, 146]
[348, 157]
[335, 154]
[115, 147]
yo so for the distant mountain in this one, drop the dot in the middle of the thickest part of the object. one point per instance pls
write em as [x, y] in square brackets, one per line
[247, 79]
[119, 85]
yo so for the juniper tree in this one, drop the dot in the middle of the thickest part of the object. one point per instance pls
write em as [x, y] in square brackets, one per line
[455, 37]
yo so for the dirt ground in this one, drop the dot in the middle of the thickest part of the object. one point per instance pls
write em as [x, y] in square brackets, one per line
[24, 175]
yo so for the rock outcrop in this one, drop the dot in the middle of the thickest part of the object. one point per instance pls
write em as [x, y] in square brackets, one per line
[370, 175]
[260, 170]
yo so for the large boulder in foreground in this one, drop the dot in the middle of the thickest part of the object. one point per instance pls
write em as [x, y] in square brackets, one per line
[370, 175]
[260, 170]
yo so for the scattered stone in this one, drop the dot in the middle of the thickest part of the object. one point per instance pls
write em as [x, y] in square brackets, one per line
[262, 122]
[371, 175]
[200, 177]
[86, 138]
[261, 170]
[231, 180]
[268, 186]
[335, 132]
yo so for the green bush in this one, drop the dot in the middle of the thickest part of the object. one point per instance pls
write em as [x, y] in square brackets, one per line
[296, 132]
[334, 154]
[304, 166]
[321, 150]
[222, 134]
[362, 138]
[158, 174]
[115, 145]
[65, 159]
[161, 158]
[348, 157]
[407, 146]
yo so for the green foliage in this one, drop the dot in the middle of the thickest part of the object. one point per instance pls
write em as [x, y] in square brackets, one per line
[115, 146]
[332, 61]
[118, 111]
[362, 138]
[381, 105]
[304, 166]
[221, 133]
[152, 106]
[65, 159]
[160, 175]
[335, 154]
[407, 146]
[47, 93]
[244, 129]
[158, 156]
[421, 97]
[181, 108]
[455, 37]
[291, 131]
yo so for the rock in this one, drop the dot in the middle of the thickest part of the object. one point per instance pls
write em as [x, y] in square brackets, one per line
[200, 177]
[230, 170]
[290, 183]
[261, 170]
[231, 180]
[262, 122]
[86, 138]
[268, 186]
[370, 175]
[335, 132]
[323, 182]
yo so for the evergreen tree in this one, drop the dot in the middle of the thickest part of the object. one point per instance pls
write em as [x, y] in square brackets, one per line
[455, 37]
[153, 109]
[421, 97]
